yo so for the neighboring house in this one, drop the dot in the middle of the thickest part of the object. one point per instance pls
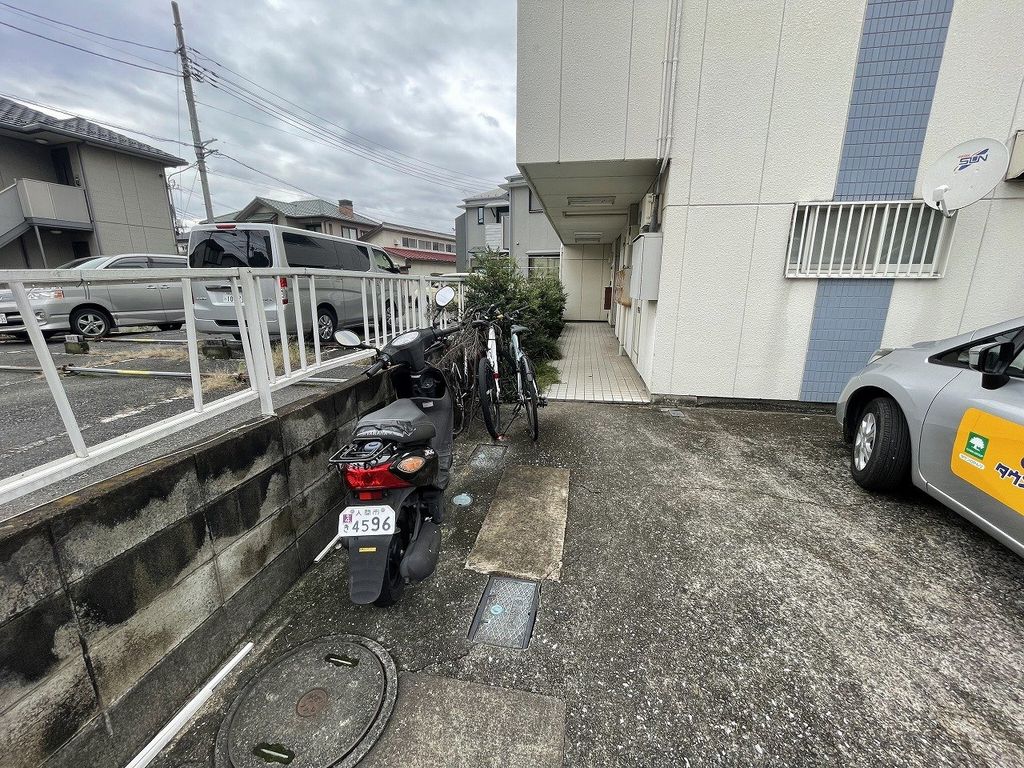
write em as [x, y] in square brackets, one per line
[423, 262]
[753, 207]
[70, 188]
[509, 220]
[315, 215]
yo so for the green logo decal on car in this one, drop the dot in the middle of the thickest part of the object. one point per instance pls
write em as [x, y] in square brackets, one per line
[976, 445]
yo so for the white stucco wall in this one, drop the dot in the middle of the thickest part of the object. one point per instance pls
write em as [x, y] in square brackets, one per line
[584, 270]
[531, 232]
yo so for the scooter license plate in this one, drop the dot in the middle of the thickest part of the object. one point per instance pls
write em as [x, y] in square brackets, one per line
[377, 520]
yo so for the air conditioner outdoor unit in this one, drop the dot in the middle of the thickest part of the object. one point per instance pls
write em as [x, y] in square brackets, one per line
[648, 207]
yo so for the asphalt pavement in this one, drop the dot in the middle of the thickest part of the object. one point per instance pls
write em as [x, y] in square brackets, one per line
[727, 596]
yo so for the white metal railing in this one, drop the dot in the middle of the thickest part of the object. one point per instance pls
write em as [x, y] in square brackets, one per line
[391, 304]
[883, 239]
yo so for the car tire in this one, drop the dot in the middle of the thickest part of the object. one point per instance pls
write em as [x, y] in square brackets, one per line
[880, 460]
[90, 322]
[169, 326]
[326, 323]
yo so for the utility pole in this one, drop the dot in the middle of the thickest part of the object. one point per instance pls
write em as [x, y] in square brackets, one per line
[197, 141]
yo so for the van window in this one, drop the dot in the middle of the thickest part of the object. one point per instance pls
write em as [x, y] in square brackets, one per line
[303, 251]
[230, 248]
[354, 257]
[133, 262]
[383, 261]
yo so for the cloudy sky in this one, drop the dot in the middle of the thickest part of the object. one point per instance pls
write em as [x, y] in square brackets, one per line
[404, 107]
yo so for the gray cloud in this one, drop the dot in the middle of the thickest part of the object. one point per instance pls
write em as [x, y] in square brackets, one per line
[434, 80]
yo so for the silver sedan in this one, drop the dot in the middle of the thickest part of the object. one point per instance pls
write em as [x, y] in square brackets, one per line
[949, 416]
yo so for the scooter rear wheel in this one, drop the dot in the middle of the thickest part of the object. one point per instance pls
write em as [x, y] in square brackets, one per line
[393, 585]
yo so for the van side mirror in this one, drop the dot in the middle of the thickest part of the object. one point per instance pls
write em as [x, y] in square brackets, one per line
[992, 361]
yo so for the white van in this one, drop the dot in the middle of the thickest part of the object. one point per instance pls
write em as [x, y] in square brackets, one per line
[339, 300]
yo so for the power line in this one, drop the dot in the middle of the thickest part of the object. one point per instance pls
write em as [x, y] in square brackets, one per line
[87, 31]
[422, 166]
[93, 53]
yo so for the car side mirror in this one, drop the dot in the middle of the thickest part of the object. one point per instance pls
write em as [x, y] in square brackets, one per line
[347, 339]
[992, 361]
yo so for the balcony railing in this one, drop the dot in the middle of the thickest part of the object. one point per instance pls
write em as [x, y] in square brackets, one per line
[29, 202]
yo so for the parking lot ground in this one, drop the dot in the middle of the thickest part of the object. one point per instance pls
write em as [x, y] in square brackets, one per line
[32, 433]
[727, 596]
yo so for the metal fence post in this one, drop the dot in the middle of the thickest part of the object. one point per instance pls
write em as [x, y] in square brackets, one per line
[422, 303]
[315, 317]
[193, 344]
[258, 340]
[60, 397]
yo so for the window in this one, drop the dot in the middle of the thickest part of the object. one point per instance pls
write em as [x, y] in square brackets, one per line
[959, 357]
[312, 252]
[230, 248]
[449, 248]
[535, 206]
[135, 262]
[166, 262]
[868, 239]
[354, 257]
[542, 265]
[383, 261]
[408, 242]
[437, 246]
[314, 227]
[349, 232]
[480, 215]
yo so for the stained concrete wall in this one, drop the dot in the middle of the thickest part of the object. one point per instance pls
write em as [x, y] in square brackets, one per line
[118, 602]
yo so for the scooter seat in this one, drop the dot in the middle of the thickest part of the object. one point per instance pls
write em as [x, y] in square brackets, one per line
[400, 421]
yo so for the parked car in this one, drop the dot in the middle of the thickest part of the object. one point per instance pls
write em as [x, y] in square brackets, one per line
[948, 415]
[339, 300]
[95, 309]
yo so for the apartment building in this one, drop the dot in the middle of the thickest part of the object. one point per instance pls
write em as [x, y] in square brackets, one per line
[743, 180]
[70, 188]
[510, 219]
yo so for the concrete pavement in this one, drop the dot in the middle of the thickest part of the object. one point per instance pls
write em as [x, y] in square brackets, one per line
[728, 596]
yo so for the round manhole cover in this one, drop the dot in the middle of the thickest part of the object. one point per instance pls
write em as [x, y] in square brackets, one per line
[322, 704]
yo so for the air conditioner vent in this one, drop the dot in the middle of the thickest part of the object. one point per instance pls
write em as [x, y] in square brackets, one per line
[590, 200]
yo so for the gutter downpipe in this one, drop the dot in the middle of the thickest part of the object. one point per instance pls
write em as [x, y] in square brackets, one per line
[665, 65]
[669, 118]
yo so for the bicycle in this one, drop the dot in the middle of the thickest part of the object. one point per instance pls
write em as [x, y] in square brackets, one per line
[528, 393]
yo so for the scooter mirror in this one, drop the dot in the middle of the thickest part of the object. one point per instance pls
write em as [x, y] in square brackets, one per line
[444, 296]
[347, 339]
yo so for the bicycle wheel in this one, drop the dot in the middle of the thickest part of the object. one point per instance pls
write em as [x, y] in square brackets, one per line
[530, 397]
[462, 392]
[490, 402]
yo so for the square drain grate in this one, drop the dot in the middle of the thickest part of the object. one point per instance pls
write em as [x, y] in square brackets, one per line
[507, 612]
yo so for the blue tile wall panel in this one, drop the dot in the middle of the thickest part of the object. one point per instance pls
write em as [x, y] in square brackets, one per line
[900, 53]
[849, 317]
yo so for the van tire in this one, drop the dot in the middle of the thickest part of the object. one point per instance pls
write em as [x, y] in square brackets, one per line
[326, 322]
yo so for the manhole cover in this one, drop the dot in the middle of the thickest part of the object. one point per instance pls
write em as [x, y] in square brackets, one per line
[506, 613]
[320, 705]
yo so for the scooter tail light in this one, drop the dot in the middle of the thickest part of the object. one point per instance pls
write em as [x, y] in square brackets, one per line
[373, 478]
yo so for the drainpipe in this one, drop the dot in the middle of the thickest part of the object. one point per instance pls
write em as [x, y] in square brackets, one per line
[674, 68]
[665, 65]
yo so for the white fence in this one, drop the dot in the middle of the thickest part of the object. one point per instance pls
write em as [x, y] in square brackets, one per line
[391, 304]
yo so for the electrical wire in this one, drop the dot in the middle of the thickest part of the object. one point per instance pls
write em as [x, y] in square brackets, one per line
[87, 31]
[93, 53]
[339, 127]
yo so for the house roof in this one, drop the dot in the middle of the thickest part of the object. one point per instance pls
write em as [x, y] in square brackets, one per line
[493, 194]
[18, 118]
[410, 254]
[387, 225]
[308, 209]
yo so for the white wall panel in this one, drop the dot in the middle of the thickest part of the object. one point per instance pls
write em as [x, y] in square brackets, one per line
[643, 108]
[776, 316]
[538, 81]
[740, 46]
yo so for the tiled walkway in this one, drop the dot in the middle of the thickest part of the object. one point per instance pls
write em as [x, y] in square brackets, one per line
[592, 369]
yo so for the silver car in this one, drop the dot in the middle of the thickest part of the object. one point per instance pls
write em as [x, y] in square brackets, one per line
[948, 415]
[94, 310]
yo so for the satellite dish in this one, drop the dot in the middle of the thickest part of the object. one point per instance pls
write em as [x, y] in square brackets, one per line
[964, 174]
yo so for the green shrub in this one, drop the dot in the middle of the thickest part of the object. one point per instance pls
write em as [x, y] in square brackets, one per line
[541, 299]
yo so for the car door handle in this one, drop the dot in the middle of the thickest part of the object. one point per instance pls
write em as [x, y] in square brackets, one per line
[166, 285]
[152, 287]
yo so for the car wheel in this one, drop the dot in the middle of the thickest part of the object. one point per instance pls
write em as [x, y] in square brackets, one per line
[326, 323]
[881, 447]
[89, 322]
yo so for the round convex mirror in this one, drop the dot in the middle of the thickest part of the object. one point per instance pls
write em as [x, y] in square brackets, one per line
[444, 296]
[347, 339]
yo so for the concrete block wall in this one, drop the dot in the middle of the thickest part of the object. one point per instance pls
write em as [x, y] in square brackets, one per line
[118, 602]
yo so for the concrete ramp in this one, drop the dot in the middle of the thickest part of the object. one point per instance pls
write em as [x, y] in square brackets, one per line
[524, 530]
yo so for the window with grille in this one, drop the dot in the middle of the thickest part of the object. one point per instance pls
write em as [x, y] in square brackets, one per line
[904, 239]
